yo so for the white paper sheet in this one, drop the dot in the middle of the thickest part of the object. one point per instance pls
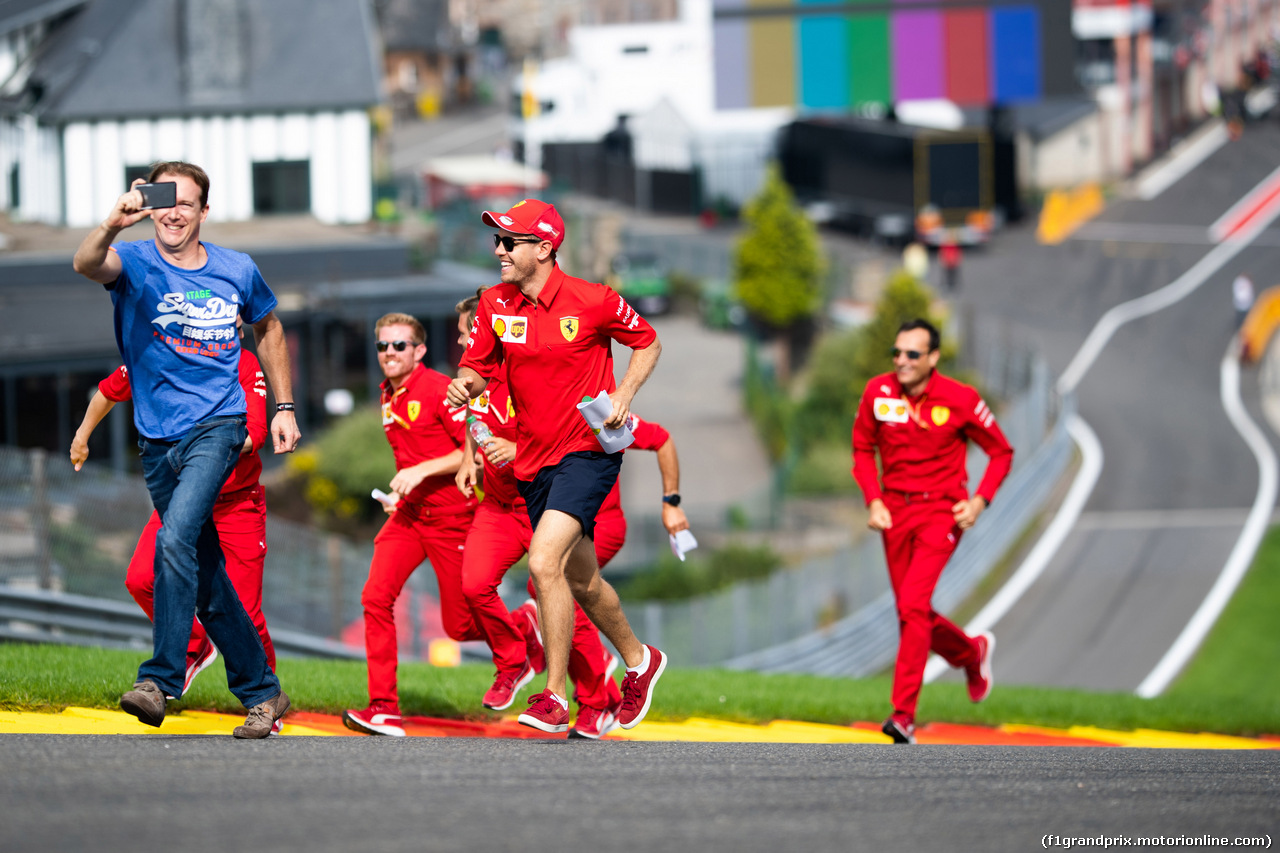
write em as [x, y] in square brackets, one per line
[595, 411]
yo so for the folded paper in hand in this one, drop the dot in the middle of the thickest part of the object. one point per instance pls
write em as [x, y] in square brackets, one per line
[682, 542]
[596, 411]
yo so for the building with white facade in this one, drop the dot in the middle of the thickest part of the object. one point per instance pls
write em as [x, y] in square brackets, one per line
[271, 97]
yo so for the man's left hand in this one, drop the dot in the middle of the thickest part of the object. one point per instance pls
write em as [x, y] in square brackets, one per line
[673, 519]
[621, 410]
[284, 432]
[966, 512]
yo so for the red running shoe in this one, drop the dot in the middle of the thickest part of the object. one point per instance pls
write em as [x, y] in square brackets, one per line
[595, 723]
[199, 662]
[545, 713]
[637, 690]
[526, 619]
[979, 672]
[901, 728]
[506, 686]
[380, 718]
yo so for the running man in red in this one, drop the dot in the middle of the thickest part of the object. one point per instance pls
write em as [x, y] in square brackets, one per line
[501, 534]
[553, 334]
[429, 519]
[920, 422]
[595, 691]
[239, 514]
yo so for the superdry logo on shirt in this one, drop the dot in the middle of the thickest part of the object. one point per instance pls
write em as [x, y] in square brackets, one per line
[890, 410]
[215, 320]
[511, 329]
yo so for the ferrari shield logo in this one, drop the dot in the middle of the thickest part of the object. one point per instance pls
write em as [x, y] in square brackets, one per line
[415, 409]
[569, 327]
[940, 415]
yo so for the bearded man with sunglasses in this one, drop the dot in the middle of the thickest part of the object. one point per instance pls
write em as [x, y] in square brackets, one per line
[429, 518]
[920, 422]
[553, 335]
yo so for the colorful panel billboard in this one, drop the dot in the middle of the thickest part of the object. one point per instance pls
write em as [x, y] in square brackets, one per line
[855, 55]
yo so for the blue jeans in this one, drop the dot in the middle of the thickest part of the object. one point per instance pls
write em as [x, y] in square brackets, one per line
[184, 479]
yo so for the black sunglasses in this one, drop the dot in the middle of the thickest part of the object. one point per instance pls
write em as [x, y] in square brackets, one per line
[399, 345]
[509, 243]
[912, 354]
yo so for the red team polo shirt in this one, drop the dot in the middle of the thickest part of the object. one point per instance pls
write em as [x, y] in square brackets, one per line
[249, 468]
[420, 425]
[556, 351]
[922, 440]
[495, 408]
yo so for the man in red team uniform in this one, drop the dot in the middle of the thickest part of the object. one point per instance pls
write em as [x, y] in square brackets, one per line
[429, 519]
[920, 422]
[552, 333]
[501, 533]
[239, 514]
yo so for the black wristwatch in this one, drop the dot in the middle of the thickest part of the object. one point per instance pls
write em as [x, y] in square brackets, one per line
[673, 499]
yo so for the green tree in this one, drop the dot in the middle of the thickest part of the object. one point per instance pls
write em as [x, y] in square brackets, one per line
[778, 263]
[845, 361]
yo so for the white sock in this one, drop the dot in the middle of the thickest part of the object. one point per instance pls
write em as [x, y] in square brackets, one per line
[644, 664]
[564, 703]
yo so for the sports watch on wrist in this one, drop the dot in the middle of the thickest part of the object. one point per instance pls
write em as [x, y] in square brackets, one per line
[673, 499]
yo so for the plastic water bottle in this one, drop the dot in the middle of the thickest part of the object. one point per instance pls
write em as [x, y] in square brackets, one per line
[480, 432]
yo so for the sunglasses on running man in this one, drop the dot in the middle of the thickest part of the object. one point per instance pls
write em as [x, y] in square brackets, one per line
[399, 345]
[509, 243]
[911, 354]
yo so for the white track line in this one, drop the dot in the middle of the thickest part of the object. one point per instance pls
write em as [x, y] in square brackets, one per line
[1246, 546]
[1054, 535]
[1185, 157]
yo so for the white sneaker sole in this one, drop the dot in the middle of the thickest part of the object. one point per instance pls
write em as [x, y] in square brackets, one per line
[371, 728]
[199, 668]
[535, 723]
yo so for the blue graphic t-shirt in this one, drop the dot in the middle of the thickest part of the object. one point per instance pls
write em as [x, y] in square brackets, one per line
[176, 329]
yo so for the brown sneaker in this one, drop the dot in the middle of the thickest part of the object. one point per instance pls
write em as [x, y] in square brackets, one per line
[146, 702]
[263, 716]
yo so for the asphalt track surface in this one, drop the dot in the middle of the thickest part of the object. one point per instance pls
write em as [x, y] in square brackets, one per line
[320, 794]
[1177, 479]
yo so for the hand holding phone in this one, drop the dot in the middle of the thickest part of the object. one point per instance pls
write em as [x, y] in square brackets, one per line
[158, 196]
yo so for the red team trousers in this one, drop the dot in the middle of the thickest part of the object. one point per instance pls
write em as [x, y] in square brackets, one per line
[241, 520]
[923, 537]
[411, 535]
[500, 536]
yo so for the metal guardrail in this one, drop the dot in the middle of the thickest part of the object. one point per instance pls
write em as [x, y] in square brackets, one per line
[39, 616]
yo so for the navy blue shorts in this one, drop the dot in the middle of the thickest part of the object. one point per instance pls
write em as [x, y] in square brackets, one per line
[577, 485]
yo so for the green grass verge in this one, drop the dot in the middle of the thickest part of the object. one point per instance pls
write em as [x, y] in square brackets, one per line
[1231, 687]
[52, 677]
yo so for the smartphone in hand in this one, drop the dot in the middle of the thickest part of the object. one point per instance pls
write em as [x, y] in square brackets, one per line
[158, 196]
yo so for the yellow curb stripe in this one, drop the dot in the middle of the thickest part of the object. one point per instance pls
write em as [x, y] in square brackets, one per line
[720, 731]
[101, 721]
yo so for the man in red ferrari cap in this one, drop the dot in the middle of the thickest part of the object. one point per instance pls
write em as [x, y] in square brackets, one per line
[553, 333]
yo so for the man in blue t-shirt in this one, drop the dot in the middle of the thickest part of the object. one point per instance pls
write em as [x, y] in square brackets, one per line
[176, 301]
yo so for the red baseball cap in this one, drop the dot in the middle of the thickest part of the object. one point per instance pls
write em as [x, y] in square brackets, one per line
[529, 217]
